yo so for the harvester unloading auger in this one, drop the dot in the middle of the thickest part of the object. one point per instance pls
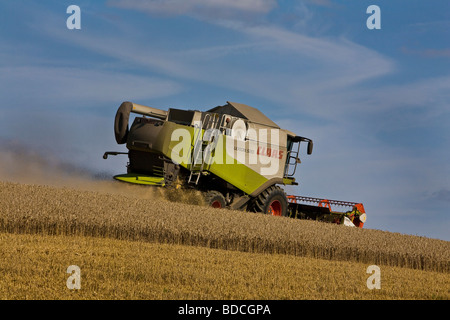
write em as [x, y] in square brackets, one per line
[233, 154]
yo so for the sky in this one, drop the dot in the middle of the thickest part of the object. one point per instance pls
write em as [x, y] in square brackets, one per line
[376, 102]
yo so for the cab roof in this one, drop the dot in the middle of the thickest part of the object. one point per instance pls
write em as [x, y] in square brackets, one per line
[244, 111]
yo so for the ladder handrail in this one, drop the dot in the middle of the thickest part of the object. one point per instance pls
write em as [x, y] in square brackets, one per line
[209, 122]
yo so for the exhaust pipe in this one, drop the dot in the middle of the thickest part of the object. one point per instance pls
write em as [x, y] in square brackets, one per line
[123, 116]
[149, 111]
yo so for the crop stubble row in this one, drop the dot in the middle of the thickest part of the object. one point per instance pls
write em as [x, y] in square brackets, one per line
[65, 211]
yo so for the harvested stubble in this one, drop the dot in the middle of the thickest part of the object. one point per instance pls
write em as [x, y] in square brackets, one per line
[35, 267]
[64, 211]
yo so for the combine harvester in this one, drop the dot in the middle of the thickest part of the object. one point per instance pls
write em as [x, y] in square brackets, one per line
[233, 154]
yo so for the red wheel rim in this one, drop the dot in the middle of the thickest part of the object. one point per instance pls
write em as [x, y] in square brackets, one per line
[216, 204]
[275, 208]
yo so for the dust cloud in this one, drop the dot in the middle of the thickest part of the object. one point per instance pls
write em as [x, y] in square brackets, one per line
[25, 165]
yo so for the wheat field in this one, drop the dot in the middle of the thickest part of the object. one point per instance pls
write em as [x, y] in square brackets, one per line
[134, 242]
[143, 216]
[35, 267]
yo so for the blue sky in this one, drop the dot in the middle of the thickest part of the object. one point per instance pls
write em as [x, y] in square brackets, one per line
[375, 102]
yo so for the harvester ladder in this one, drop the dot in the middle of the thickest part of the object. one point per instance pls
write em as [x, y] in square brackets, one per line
[292, 155]
[200, 144]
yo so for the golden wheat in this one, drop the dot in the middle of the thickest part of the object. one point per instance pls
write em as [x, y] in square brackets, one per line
[35, 267]
[63, 211]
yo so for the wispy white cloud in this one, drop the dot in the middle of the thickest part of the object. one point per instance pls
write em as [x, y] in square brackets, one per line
[204, 9]
[428, 98]
[325, 3]
[51, 86]
[427, 53]
[339, 55]
[320, 67]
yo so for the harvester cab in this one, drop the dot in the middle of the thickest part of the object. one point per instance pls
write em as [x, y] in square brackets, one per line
[235, 155]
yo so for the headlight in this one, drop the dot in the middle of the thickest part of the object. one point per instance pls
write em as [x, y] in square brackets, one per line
[363, 218]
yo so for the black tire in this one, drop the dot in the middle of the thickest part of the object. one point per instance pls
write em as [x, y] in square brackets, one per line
[121, 122]
[271, 201]
[215, 199]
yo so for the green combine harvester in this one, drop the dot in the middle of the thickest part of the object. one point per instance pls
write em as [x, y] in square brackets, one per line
[236, 156]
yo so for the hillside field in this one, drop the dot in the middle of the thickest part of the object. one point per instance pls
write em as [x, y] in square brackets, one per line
[132, 243]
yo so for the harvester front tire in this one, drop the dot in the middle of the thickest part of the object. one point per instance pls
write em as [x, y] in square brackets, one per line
[271, 201]
[215, 199]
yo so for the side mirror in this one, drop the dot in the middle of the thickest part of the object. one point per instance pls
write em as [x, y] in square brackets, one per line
[310, 147]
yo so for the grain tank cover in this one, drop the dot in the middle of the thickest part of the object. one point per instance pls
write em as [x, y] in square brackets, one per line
[244, 111]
